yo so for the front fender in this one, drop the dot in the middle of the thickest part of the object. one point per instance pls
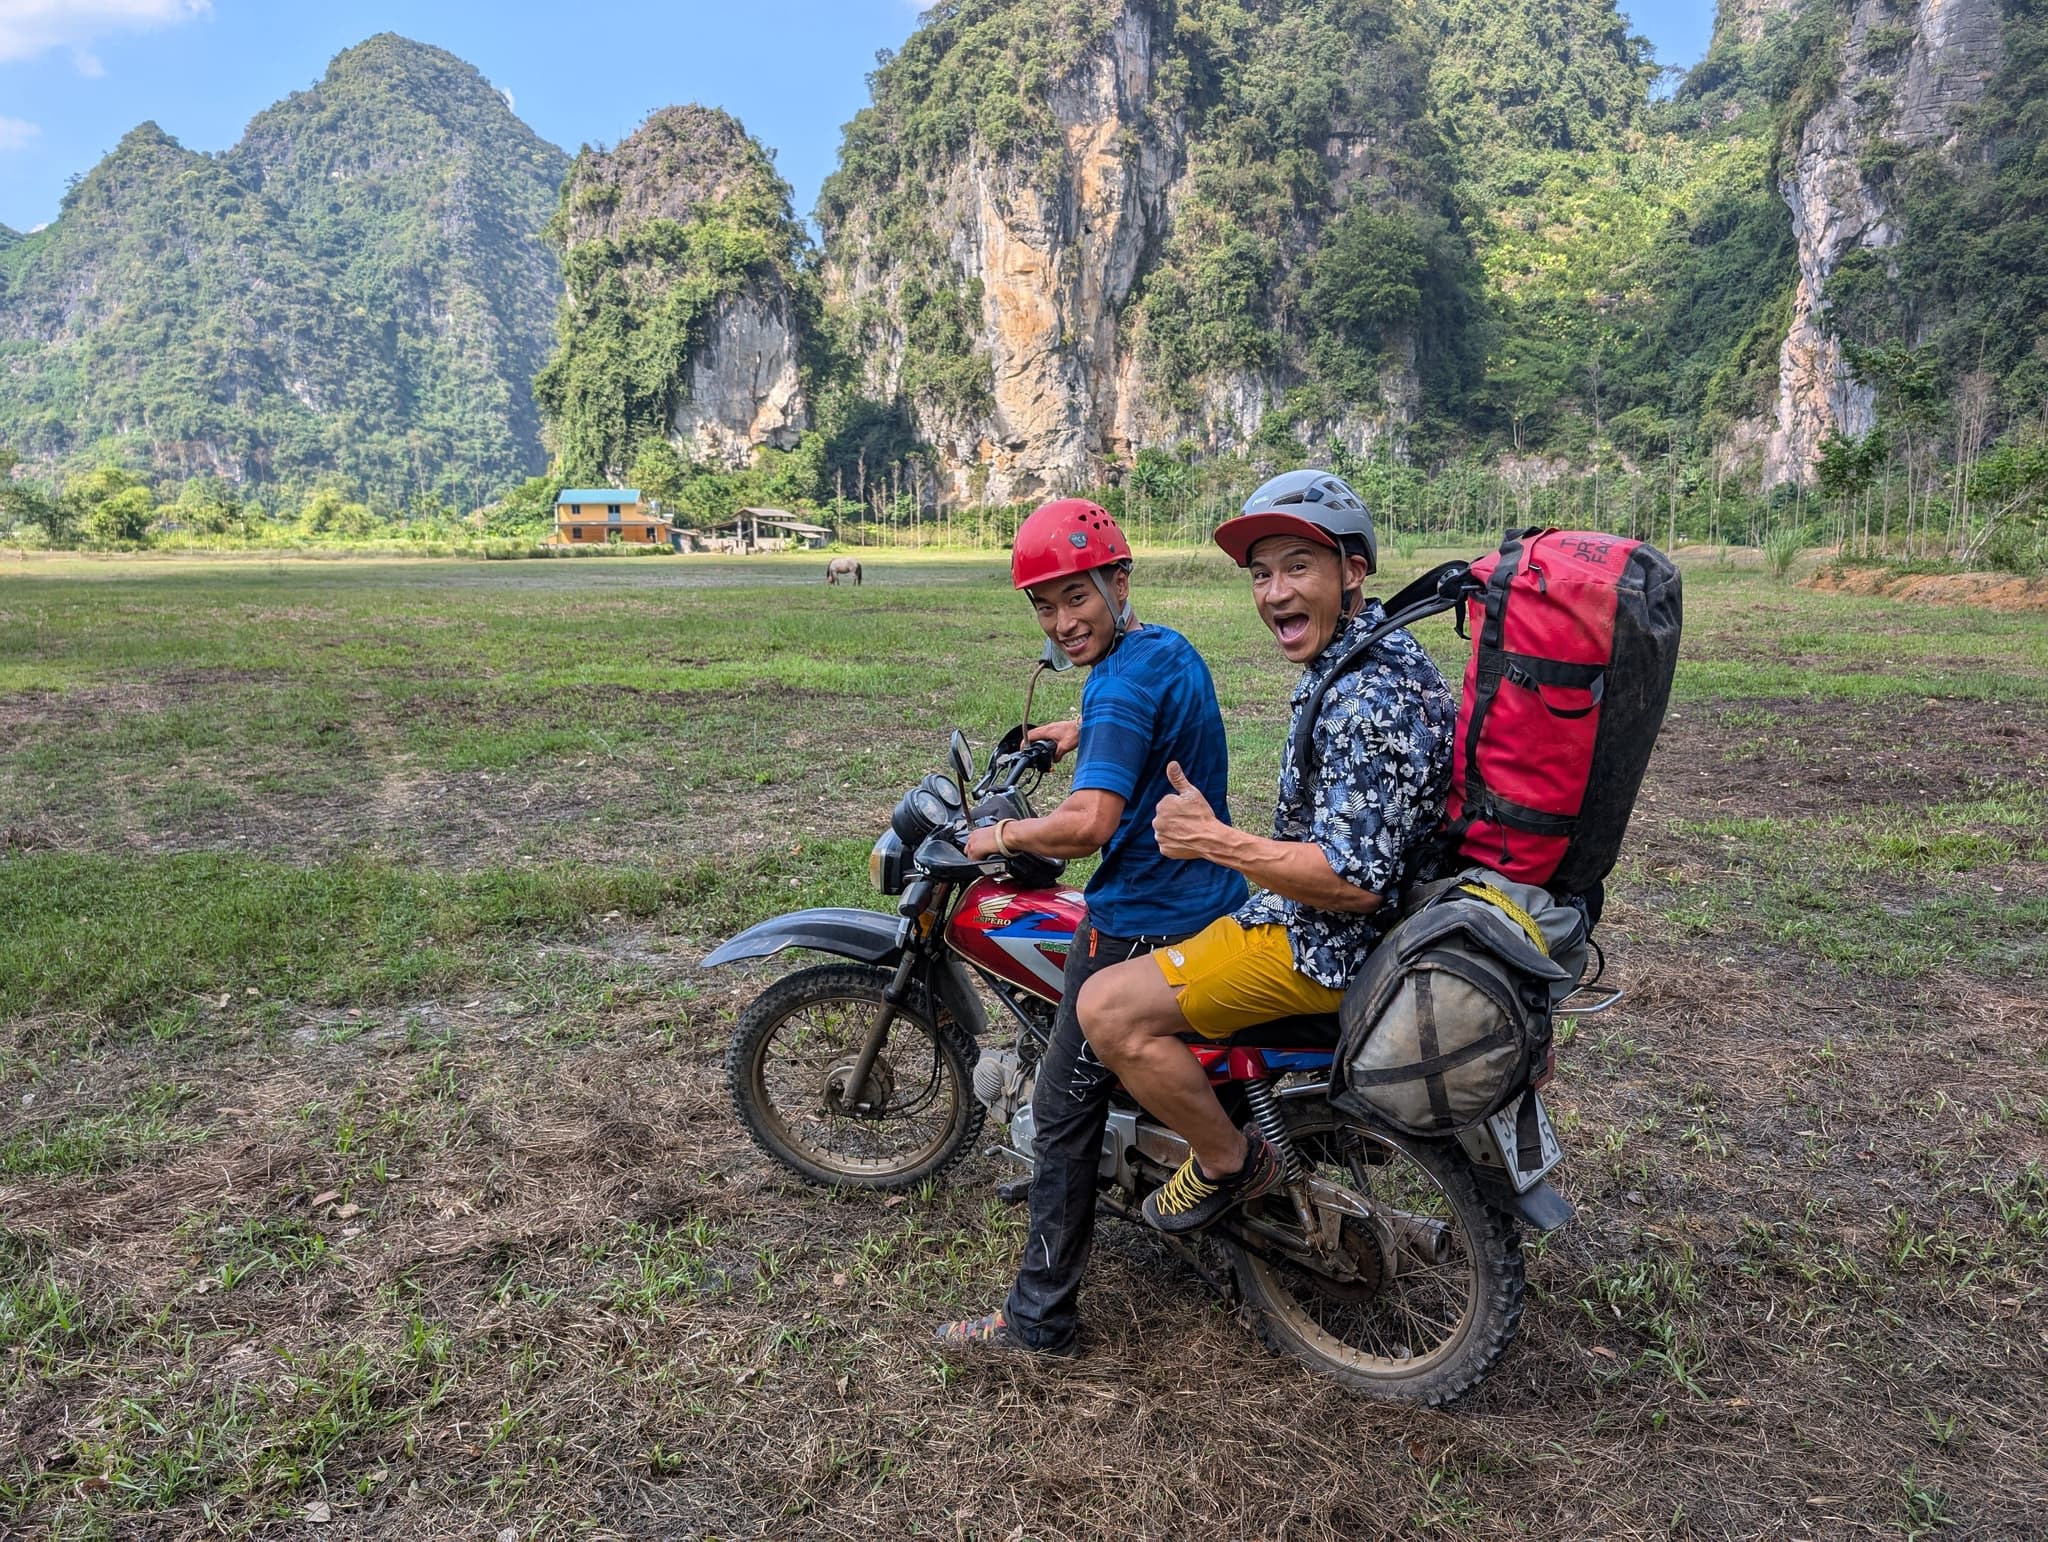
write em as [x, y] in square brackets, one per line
[867, 936]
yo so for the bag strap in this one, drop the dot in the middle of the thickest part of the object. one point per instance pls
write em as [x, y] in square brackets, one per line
[1442, 588]
[1528, 1136]
[1514, 912]
[1491, 665]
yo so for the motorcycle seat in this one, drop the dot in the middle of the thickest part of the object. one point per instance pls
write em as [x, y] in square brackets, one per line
[1310, 1030]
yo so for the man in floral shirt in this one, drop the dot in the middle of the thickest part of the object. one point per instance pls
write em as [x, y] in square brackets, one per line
[1347, 832]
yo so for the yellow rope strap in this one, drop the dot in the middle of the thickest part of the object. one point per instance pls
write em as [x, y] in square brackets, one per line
[1515, 913]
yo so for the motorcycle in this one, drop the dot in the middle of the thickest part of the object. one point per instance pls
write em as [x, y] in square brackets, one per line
[1391, 1264]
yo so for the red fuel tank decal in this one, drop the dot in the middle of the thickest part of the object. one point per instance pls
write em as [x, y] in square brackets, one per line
[1020, 935]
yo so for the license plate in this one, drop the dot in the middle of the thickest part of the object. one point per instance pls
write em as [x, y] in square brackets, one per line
[1503, 1128]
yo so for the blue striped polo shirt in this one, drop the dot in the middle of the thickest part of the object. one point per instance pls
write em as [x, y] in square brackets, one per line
[1149, 702]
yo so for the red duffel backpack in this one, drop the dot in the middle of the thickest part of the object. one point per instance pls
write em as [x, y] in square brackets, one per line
[1574, 644]
[1573, 649]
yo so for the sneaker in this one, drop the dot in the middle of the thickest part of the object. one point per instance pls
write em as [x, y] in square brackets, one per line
[993, 1332]
[1188, 1201]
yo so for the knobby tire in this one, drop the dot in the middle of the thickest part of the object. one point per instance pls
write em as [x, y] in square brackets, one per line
[1493, 1312]
[751, 1057]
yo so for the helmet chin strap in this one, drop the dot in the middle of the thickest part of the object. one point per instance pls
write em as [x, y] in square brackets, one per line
[1122, 613]
[1353, 600]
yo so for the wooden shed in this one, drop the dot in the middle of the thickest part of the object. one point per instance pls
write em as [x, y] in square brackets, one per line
[776, 530]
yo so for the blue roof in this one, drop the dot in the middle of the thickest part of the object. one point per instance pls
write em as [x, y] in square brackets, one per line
[598, 495]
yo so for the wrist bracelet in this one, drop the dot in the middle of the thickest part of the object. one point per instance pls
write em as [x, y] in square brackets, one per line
[1002, 844]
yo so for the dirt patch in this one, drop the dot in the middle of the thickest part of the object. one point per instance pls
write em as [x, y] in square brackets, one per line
[1791, 757]
[40, 708]
[1993, 591]
[569, 1294]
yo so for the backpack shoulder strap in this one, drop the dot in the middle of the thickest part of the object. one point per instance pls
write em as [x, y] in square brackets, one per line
[1442, 588]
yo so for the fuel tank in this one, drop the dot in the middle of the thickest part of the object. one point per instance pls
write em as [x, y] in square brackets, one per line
[1021, 935]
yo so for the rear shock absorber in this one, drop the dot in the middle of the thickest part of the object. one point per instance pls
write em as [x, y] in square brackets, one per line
[1266, 1114]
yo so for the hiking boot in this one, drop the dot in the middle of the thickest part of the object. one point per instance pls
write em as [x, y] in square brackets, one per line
[1188, 1201]
[994, 1332]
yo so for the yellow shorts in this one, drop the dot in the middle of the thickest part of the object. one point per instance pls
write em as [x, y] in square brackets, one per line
[1232, 977]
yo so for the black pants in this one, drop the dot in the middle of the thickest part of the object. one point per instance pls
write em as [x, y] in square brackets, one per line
[1070, 1105]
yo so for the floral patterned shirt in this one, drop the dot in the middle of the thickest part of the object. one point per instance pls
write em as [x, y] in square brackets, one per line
[1383, 766]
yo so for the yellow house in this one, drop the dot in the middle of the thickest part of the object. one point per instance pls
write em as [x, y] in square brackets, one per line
[592, 516]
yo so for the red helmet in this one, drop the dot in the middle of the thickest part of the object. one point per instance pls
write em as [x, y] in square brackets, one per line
[1068, 535]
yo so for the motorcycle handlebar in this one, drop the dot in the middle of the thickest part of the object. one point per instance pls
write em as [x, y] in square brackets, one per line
[1006, 769]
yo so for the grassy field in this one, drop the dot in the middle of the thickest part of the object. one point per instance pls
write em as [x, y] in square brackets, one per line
[366, 1171]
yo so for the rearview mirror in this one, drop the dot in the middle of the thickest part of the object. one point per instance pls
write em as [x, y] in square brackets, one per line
[1055, 658]
[963, 762]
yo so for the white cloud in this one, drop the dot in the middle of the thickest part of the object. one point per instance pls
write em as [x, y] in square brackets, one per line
[507, 95]
[30, 28]
[15, 133]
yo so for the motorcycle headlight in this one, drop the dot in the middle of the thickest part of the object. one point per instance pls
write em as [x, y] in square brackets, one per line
[885, 863]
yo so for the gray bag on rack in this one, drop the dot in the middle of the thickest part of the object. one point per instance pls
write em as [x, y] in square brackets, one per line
[1451, 1015]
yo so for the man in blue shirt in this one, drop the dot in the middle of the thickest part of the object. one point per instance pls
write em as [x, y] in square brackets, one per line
[1148, 703]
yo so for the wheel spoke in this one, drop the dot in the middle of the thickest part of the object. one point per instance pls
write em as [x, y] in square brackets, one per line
[1403, 1312]
[801, 1079]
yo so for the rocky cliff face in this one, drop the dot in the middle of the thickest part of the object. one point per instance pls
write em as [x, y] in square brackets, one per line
[1040, 245]
[687, 215]
[1049, 251]
[1907, 76]
[746, 382]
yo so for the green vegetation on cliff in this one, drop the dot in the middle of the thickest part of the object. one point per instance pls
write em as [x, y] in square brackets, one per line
[1318, 236]
[1522, 75]
[974, 72]
[656, 235]
[1638, 255]
[354, 289]
[1961, 301]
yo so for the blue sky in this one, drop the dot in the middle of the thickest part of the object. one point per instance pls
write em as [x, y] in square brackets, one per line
[75, 75]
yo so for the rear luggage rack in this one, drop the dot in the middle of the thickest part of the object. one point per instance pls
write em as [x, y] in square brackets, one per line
[1598, 999]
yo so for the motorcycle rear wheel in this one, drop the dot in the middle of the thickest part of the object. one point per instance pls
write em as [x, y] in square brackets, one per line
[1437, 1292]
[793, 1051]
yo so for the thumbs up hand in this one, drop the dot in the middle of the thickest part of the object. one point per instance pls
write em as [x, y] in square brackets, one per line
[1183, 820]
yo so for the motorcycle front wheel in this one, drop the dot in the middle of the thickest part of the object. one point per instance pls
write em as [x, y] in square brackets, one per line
[793, 1056]
[1428, 1287]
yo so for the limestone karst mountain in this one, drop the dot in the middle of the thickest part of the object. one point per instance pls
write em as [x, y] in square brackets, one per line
[1908, 80]
[686, 307]
[1065, 234]
[357, 287]
[1068, 234]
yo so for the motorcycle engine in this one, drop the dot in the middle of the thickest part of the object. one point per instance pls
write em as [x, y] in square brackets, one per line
[1001, 1083]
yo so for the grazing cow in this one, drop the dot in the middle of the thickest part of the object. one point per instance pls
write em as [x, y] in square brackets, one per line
[842, 567]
